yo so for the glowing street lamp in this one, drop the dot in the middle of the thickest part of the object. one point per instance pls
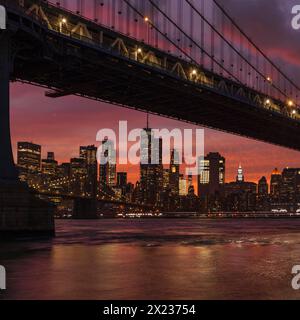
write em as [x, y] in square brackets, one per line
[290, 103]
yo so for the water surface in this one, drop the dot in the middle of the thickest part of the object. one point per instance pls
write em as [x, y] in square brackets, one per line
[156, 259]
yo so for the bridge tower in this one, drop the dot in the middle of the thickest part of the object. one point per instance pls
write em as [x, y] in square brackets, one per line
[8, 170]
[21, 212]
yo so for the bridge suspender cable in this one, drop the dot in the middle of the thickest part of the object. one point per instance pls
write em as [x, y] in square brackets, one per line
[255, 46]
[194, 42]
[233, 48]
[185, 53]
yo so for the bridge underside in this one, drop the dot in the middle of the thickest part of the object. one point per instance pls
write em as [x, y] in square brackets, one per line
[69, 66]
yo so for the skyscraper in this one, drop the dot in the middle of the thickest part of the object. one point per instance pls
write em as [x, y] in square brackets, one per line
[89, 155]
[276, 179]
[174, 173]
[211, 174]
[78, 174]
[263, 203]
[182, 185]
[263, 187]
[240, 195]
[49, 165]
[107, 167]
[29, 156]
[290, 185]
[122, 179]
[240, 174]
[151, 168]
[29, 159]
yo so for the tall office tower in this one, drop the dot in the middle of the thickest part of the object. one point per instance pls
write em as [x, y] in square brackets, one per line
[263, 187]
[190, 180]
[50, 156]
[29, 156]
[290, 185]
[108, 167]
[78, 174]
[151, 168]
[89, 155]
[166, 179]
[182, 185]
[174, 172]
[263, 203]
[211, 175]
[29, 160]
[122, 179]
[240, 174]
[49, 165]
[276, 179]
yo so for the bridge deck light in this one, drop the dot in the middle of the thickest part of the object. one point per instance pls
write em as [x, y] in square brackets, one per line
[268, 101]
[294, 112]
[269, 79]
[194, 72]
[146, 19]
[290, 103]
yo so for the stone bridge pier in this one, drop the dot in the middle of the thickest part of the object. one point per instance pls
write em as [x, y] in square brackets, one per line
[21, 212]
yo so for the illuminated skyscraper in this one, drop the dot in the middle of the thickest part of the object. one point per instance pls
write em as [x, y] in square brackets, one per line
[78, 176]
[49, 165]
[211, 174]
[182, 185]
[29, 156]
[290, 185]
[240, 174]
[174, 172]
[151, 168]
[107, 167]
[276, 179]
[89, 155]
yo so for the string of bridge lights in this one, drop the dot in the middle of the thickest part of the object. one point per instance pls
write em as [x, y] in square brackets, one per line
[268, 101]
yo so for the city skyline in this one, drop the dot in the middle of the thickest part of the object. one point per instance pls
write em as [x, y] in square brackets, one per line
[240, 170]
[121, 168]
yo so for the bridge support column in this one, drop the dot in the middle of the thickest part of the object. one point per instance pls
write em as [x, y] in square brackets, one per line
[8, 170]
[21, 212]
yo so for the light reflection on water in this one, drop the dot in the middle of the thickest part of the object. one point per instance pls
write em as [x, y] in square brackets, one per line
[156, 259]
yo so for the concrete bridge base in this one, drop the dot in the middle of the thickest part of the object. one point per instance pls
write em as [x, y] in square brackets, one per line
[22, 213]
